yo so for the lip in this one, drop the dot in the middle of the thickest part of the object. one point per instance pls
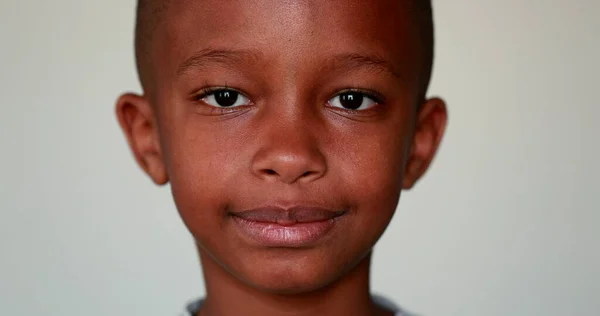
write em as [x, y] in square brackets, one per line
[294, 227]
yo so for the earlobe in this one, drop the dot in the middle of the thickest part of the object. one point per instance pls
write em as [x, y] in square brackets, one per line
[138, 122]
[429, 131]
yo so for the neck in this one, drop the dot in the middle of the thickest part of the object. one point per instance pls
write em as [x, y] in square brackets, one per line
[348, 296]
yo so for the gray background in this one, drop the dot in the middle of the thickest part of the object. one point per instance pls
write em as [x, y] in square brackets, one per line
[505, 223]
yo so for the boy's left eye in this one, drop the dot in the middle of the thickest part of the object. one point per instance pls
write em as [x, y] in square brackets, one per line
[352, 100]
[224, 98]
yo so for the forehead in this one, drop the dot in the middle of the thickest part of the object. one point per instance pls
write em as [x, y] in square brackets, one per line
[292, 33]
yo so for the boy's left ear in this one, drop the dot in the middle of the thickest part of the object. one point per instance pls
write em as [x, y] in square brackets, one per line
[137, 120]
[429, 131]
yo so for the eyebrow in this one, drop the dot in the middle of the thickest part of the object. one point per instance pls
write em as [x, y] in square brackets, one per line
[225, 57]
[229, 58]
[351, 61]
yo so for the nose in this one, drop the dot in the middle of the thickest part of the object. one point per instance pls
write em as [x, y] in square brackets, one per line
[289, 156]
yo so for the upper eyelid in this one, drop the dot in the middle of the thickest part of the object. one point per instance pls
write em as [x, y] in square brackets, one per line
[204, 92]
[375, 96]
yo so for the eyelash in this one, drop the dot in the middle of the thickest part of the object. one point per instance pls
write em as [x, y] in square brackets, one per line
[378, 98]
[205, 92]
[375, 96]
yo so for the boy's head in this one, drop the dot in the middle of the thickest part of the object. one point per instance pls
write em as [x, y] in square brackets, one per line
[150, 13]
[287, 129]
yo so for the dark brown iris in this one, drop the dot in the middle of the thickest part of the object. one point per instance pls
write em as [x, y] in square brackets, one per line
[226, 98]
[351, 100]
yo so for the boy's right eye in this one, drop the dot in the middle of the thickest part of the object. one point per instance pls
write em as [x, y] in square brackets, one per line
[223, 98]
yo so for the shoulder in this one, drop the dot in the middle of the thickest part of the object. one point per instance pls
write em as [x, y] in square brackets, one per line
[390, 305]
[192, 307]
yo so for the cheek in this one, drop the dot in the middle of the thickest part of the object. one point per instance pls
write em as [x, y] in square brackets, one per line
[371, 164]
[371, 168]
[202, 164]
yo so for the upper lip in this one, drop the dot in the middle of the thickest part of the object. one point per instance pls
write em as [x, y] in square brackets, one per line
[289, 216]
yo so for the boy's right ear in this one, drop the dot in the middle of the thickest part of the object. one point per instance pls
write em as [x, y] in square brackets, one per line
[137, 120]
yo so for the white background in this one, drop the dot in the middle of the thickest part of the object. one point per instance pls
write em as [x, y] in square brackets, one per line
[505, 223]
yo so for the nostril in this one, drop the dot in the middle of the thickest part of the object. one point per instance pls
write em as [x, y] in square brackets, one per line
[306, 174]
[270, 172]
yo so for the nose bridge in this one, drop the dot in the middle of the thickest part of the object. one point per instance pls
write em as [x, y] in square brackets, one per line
[295, 123]
[288, 145]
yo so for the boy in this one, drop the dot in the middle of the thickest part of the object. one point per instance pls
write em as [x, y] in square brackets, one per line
[287, 130]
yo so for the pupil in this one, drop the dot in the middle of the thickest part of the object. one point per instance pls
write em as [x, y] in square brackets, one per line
[226, 98]
[351, 100]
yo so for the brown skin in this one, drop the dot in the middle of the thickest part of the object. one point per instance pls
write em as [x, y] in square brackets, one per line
[288, 145]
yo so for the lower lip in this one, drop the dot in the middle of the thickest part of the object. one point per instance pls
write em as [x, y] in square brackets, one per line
[293, 236]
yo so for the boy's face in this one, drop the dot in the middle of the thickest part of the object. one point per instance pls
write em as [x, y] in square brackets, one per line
[287, 130]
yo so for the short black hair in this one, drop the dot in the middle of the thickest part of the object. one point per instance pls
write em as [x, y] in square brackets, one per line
[426, 27]
[149, 15]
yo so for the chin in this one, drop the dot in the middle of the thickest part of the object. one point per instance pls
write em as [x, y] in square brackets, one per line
[288, 280]
[282, 272]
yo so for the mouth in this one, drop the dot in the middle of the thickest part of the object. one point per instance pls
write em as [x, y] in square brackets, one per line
[295, 227]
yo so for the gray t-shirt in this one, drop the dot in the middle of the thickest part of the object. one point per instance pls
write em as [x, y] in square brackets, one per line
[193, 307]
